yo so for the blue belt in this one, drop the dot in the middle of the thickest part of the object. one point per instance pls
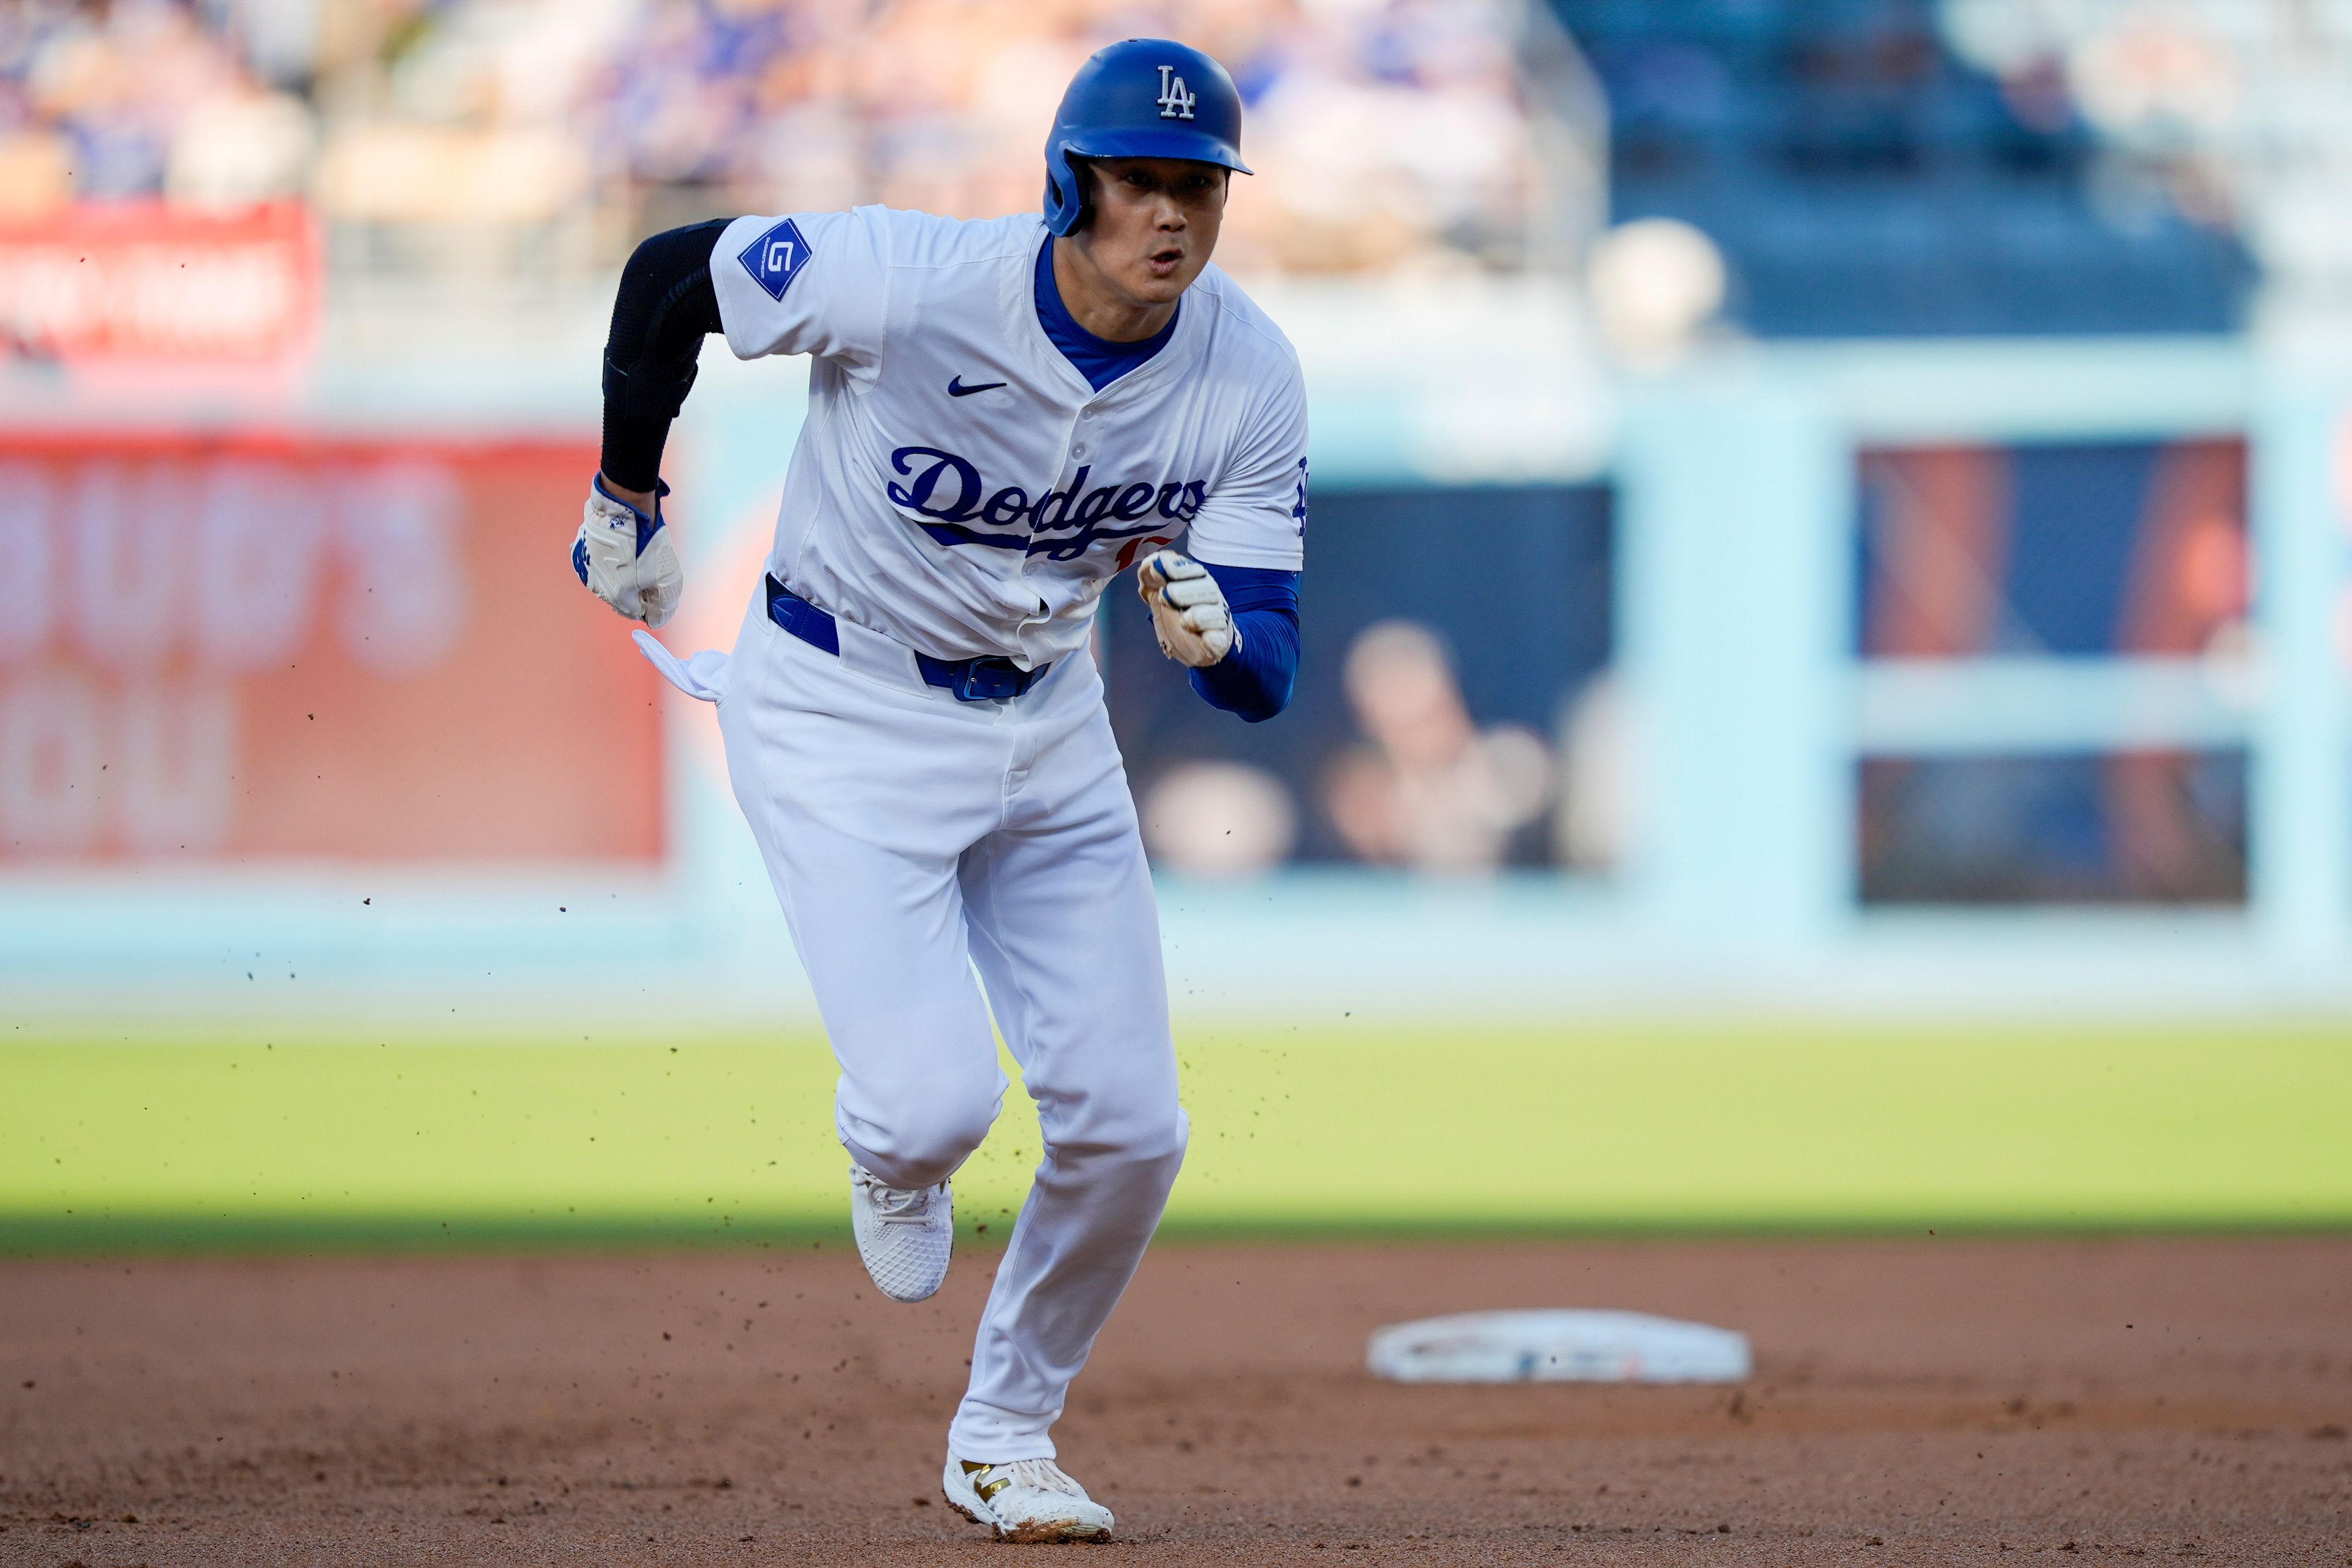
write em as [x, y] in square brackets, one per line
[971, 679]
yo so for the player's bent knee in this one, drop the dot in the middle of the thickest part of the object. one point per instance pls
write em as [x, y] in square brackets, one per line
[1168, 1141]
[1148, 1161]
[1142, 1141]
[916, 1145]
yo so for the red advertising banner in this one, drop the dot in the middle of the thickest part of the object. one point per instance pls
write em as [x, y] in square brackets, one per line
[148, 281]
[274, 648]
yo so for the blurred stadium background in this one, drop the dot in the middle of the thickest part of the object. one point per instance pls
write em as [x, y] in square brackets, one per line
[1827, 627]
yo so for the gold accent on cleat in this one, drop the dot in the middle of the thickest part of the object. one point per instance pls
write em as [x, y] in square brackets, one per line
[985, 1488]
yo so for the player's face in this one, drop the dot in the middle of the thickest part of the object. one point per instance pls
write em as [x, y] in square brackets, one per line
[1155, 223]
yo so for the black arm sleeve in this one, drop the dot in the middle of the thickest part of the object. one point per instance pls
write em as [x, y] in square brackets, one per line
[664, 308]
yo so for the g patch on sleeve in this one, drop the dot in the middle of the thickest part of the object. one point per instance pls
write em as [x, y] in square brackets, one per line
[776, 257]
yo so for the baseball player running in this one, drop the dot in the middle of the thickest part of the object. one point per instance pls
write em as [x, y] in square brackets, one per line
[1002, 417]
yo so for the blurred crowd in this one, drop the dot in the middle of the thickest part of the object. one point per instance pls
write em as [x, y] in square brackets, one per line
[1386, 133]
[2231, 111]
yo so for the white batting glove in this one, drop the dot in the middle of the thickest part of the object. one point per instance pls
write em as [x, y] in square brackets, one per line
[1189, 612]
[625, 558]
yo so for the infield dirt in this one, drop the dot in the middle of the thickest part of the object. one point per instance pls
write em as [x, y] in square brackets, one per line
[1932, 1400]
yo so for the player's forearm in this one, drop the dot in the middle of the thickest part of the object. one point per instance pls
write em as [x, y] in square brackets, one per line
[663, 310]
[1254, 682]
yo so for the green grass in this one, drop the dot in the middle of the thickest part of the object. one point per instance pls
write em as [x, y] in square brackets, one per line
[213, 1141]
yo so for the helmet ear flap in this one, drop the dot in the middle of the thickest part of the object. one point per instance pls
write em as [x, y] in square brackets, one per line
[1069, 203]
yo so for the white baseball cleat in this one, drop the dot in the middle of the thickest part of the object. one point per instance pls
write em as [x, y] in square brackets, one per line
[1027, 1501]
[904, 1235]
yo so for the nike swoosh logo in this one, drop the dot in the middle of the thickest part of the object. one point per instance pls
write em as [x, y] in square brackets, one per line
[956, 388]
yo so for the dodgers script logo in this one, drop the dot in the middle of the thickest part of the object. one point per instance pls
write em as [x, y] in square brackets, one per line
[1060, 525]
[776, 257]
[1176, 101]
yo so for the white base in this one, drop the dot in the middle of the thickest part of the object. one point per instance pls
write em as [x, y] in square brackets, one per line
[1556, 1346]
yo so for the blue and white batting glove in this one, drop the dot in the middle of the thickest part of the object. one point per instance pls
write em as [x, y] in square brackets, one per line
[625, 558]
[1189, 612]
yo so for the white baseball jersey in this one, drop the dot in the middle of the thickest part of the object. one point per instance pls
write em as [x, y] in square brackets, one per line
[959, 487]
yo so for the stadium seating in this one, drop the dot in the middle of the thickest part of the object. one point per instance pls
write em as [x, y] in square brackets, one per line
[1863, 180]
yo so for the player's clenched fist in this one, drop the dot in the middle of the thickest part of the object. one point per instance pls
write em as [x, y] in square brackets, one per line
[625, 558]
[1189, 612]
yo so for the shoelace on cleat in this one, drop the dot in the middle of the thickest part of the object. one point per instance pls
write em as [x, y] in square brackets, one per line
[1038, 1474]
[898, 1205]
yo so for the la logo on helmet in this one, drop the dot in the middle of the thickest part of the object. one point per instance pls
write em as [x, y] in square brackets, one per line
[1176, 101]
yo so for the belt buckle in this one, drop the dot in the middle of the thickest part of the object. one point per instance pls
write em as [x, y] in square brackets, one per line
[987, 680]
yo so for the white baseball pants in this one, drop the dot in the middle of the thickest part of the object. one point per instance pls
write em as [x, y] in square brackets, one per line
[912, 838]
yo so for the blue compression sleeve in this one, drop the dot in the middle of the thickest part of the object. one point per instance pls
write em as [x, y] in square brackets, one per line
[1254, 680]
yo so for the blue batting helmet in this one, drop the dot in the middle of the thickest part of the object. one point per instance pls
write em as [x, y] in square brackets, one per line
[1145, 98]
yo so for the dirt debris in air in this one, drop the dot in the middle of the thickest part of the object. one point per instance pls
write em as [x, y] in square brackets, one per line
[1916, 1402]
